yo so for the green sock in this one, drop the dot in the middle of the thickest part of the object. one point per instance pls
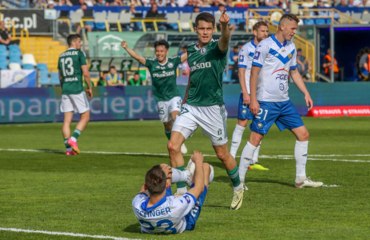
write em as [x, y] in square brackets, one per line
[66, 144]
[76, 134]
[168, 134]
[234, 176]
[180, 184]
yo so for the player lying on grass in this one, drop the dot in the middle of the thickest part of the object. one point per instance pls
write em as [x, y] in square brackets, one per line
[260, 31]
[163, 72]
[203, 104]
[274, 60]
[72, 65]
[160, 212]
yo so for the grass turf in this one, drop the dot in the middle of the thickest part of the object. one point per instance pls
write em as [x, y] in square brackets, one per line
[92, 193]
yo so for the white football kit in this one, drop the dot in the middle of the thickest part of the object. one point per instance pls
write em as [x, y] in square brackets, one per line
[275, 60]
[246, 55]
[167, 216]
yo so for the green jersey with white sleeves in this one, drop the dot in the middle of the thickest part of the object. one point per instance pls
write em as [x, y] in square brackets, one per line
[164, 78]
[206, 69]
[69, 65]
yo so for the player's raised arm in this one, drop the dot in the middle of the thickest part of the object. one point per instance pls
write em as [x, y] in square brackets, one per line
[297, 79]
[184, 57]
[198, 188]
[223, 42]
[132, 53]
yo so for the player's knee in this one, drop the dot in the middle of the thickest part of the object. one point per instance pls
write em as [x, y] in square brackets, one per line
[222, 155]
[306, 136]
[172, 148]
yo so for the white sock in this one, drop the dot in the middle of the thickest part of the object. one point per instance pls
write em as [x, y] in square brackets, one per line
[238, 188]
[245, 160]
[236, 139]
[179, 176]
[256, 153]
[74, 139]
[182, 190]
[300, 154]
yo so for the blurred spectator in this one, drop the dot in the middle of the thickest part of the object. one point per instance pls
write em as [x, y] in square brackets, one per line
[365, 3]
[343, 3]
[136, 3]
[304, 64]
[100, 3]
[149, 4]
[261, 3]
[64, 3]
[5, 36]
[51, 5]
[203, 3]
[188, 4]
[87, 25]
[114, 2]
[229, 3]
[89, 3]
[161, 3]
[136, 26]
[327, 65]
[113, 78]
[351, 3]
[271, 3]
[135, 81]
[196, 9]
[153, 12]
[234, 54]
[172, 4]
[221, 9]
[39, 4]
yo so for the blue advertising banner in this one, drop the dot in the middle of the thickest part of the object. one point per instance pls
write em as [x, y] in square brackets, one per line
[17, 78]
[132, 102]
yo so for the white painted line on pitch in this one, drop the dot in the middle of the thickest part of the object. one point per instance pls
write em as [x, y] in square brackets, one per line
[334, 185]
[64, 234]
[284, 157]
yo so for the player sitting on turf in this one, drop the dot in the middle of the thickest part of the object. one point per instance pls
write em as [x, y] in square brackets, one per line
[160, 212]
[274, 60]
[72, 65]
[260, 31]
[163, 72]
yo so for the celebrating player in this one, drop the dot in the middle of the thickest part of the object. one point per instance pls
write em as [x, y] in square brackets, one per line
[160, 212]
[260, 31]
[163, 72]
[203, 104]
[274, 60]
[72, 65]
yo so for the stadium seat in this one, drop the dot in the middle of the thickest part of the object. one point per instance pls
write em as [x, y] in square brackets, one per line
[309, 22]
[3, 51]
[124, 19]
[185, 21]
[54, 77]
[42, 66]
[45, 81]
[320, 21]
[100, 20]
[193, 17]
[173, 21]
[75, 17]
[357, 16]
[217, 19]
[15, 66]
[28, 59]
[3, 65]
[365, 18]
[14, 48]
[28, 66]
[112, 21]
[15, 59]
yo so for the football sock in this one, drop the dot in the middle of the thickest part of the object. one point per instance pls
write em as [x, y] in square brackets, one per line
[179, 176]
[68, 148]
[237, 138]
[75, 135]
[256, 153]
[168, 134]
[245, 160]
[234, 177]
[181, 186]
[300, 154]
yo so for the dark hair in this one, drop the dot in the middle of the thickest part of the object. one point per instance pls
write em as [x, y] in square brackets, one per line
[204, 16]
[290, 17]
[155, 180]
[299, 50]
[136, 73]
[258, 25]
[161, 42]
[71, 38]
[112, 67]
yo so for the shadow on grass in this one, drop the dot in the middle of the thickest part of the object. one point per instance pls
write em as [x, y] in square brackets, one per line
[134, 228]
[226, 179]
[52, 151]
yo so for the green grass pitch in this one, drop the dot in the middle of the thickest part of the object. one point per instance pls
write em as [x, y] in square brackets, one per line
[92, 193]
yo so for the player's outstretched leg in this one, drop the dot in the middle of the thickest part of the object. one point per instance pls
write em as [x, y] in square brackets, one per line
[248, 153]
[85, 117]
[254, 162]
[67, 132]
[232, 170]
[300, 154]
[176, 158]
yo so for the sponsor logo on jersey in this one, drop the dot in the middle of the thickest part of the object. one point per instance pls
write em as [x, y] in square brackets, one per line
[170, 65]
[259, 125]
[282, 76]
[244, 112]
[158, 67]
[198, 66]
[290, 56]
[283, 50]
[219, 132]
[187, 198]
[164, 74]
[281, 87]
[241, 58]
[203, 50]
[257, 55]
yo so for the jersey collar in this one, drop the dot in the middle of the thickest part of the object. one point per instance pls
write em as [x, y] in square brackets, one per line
[196, 48]
[277, 42]
[71, 48]
[163, 63]
[145, 204]
[254, 45]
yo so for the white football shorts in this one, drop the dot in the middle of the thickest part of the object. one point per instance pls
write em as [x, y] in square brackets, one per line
[165, 108]
[75, 102]
[212, 120]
